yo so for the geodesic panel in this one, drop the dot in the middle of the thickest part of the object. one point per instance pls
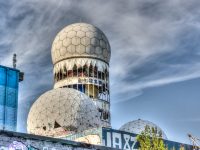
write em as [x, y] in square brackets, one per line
[80, 40]
[62, 111]
[137, 126]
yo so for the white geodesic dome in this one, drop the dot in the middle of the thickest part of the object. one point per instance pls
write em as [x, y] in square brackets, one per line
[137, 126]
[80, 40]
[62, 111]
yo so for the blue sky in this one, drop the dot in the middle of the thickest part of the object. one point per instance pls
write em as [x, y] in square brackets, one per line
[154, 64]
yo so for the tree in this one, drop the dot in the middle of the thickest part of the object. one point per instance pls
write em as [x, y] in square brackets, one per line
[151, 139]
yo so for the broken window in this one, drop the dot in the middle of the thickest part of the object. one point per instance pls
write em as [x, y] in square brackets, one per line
[56, 125]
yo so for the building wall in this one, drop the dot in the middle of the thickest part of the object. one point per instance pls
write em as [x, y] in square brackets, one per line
[12, 140]
[126, 140]
[118, 139]
[9, 79]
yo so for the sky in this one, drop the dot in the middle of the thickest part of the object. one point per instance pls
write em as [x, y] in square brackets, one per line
[155, 60]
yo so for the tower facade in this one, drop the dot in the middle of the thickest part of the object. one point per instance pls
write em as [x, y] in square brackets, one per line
[9, 83]
[81, 54]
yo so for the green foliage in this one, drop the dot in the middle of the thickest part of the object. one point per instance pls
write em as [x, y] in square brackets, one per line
[151, 139]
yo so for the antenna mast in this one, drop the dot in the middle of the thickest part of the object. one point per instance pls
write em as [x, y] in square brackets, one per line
[14, 60]
[195, 142]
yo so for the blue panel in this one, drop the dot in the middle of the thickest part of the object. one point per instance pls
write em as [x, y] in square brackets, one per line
[2, 76]
[2, 116]
[10, 120]
[9, 79]
[12, 78]
[11, 100]
[2, 94]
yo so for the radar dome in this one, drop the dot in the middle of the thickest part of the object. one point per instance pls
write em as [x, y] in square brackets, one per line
[62, 111]
[80, 40]
[137, 126]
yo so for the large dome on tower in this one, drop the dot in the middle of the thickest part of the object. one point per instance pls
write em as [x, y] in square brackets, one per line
[80, 40]
[62, 111]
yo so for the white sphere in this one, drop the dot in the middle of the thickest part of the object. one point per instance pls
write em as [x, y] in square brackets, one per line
[137, 126]
[62, 111]
[80, 40]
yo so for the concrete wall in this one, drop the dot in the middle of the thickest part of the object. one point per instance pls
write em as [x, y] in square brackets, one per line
[10, 140]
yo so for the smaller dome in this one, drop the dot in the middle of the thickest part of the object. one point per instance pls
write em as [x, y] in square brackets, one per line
[137, 126]
[62, 111]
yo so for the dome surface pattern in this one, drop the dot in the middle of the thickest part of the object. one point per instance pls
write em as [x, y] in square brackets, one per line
[137, 126]
[62, 111]
[80, 40]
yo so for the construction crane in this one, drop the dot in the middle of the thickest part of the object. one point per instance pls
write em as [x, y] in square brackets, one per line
[195, 142]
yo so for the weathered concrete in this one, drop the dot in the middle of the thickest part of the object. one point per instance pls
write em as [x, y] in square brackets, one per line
[33, 142]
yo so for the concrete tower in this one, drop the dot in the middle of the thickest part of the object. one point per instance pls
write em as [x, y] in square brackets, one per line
[80, 99]
[81, 54]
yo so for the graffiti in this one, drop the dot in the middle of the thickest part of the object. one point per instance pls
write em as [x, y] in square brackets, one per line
[15, 145]
[120, 141]
[90, 80]
[26, 148]
[127, 141]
